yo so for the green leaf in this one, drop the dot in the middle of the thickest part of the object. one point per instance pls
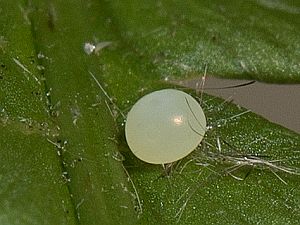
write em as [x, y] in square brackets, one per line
[32, 190]
[241, 39]
[60, 138]
[76, 147]
[210, 187]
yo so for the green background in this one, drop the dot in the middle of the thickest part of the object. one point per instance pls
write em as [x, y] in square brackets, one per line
[63, 156]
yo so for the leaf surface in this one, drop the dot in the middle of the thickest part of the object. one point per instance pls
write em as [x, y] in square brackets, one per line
[62, 143]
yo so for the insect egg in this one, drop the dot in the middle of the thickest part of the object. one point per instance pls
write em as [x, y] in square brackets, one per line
[164, 126]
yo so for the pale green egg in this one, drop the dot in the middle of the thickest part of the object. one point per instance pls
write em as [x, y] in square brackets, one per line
[164, 126]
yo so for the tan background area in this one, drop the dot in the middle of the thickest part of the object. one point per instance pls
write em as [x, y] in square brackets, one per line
[277, 103]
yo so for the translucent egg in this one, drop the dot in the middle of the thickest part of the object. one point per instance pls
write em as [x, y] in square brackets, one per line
[164, 126]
